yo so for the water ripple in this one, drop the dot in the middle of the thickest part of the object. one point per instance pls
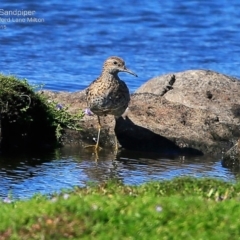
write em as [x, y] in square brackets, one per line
[67, 50]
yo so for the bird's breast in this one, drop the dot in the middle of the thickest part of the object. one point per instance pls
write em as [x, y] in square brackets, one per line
[108, 97]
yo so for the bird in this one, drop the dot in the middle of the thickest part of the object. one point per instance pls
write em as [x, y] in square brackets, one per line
[108, 94]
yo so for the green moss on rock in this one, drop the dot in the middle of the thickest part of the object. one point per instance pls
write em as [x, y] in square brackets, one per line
[28, 119]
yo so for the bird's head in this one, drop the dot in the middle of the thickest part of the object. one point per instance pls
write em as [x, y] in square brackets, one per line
[114, 65]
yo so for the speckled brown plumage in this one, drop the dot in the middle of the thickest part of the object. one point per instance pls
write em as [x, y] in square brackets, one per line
[108, 94]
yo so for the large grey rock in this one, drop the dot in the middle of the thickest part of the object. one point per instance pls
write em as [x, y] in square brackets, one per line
[197, 108]
[198, 89]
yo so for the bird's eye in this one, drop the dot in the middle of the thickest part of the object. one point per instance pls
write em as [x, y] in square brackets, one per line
[115, 63]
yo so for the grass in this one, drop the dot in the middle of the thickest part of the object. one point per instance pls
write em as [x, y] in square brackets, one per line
[28, 119]
[183, 208]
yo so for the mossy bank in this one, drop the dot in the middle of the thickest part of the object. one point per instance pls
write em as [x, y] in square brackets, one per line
[183, 208]
[28, 119]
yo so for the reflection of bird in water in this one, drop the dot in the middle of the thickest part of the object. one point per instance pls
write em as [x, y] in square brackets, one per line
[108, 94]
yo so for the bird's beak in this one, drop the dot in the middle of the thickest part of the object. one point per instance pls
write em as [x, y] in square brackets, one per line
[128, 71]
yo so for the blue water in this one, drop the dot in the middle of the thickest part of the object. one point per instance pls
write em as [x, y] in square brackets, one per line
[66, 50]
[22, 176]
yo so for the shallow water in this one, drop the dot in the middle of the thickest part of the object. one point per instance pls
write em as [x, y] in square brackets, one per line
[23, 176]
[66, 51]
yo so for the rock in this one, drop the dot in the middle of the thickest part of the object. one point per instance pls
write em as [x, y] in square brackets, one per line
[231, 158]
[88, 134]
[199, 107]
[200, 89]
[196, 110]
[141, 139]
[25, 119]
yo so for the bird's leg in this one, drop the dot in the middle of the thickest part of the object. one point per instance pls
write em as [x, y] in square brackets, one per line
[99, 130]
[96, 146]
[115, 151]
[116, 143]
[115, 137]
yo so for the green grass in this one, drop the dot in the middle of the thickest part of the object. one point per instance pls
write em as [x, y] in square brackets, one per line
[183, 208]
[28, 119]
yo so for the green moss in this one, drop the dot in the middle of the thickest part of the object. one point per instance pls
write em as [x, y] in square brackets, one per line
[182, 208]
[28, 119]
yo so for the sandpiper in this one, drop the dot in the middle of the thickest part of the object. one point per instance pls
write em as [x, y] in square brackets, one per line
[108, 94]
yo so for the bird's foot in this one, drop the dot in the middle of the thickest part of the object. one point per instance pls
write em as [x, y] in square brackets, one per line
[95, 147]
